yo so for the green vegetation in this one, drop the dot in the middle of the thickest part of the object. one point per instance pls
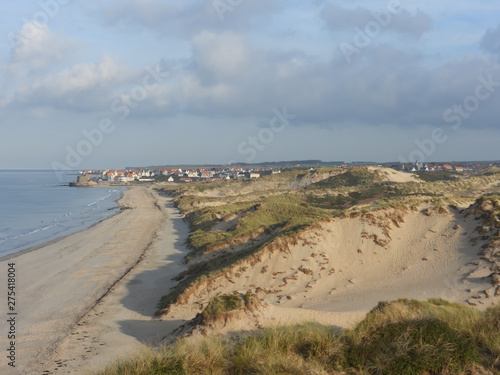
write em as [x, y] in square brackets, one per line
[221, 304]
[283, 214]
[490, 171]
[402, 337]
[263, 220]
[278, 181]
[437, 176]
[331, 201]
[231, 221]
[353, 177]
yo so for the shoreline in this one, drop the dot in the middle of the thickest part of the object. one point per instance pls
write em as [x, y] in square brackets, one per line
[60, 282]
[16, 254]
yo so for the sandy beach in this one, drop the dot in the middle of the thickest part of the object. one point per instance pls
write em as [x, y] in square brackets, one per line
[122, 263]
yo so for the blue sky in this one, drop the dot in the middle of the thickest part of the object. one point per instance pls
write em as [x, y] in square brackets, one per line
[98, 84]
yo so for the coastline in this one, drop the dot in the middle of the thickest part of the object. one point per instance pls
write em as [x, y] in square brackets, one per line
[12, 256]
[70, 232]
[60, 282]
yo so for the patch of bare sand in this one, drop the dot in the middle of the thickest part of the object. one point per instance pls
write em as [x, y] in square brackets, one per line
[393, 175]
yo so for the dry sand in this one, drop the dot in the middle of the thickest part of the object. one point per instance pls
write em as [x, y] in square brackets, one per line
[395, 176]
[61, 288]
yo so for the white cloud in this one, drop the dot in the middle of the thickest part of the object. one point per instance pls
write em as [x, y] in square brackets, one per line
[81, 77]
[37, 48]
[85, 85]
[220, 56]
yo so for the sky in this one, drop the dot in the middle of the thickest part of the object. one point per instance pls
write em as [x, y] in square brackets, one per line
[115, 83]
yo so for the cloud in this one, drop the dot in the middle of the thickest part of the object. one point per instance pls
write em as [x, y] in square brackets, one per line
[184, 18]
[36, 48]
[229, 77]
[389, 87]
[82, 86]
[219, 57]
[491, 41]
[397, 20]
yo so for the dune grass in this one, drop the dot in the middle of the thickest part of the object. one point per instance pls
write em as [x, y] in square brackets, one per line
[402, 337]
[284, 211]
[437, 176]
[221, 304]
[354, 177]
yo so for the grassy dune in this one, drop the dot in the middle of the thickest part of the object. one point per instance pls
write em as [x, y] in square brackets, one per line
[402, 337]
[271, 208]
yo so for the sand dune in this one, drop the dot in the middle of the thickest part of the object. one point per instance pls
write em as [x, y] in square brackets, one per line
[340, 270]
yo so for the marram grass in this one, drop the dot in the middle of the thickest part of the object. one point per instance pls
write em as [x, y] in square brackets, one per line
[402, 337]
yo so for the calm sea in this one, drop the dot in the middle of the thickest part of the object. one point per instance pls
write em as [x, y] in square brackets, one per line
[35, 207]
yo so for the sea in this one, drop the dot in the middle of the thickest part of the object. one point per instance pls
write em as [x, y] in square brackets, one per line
[37, 207]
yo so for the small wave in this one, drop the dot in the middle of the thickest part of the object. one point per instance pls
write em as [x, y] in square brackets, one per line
[13, 239]
[37, 230]
[99, 200]
[27, 233]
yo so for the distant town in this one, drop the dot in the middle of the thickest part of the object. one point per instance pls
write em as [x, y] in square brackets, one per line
[223, 172]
